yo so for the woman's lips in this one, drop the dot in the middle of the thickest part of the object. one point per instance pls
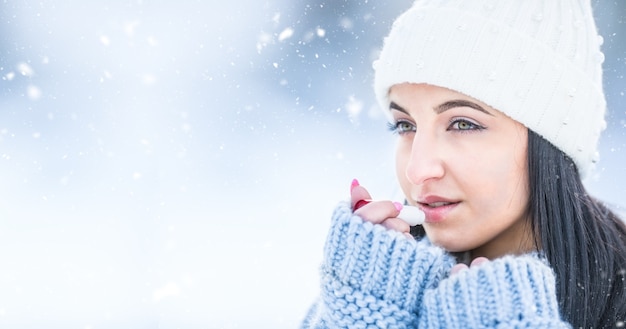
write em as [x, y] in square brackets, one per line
[436, 211]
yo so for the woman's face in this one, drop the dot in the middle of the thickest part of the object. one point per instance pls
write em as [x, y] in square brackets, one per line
[464, 164]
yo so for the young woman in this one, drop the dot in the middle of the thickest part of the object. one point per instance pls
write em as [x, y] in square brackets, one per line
[498, 107]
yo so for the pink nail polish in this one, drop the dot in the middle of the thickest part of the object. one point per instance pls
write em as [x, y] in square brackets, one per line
[354, 184]
[398, 205]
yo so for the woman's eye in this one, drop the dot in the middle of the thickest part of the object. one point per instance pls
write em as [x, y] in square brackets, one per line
[401, 127]
[464, 125]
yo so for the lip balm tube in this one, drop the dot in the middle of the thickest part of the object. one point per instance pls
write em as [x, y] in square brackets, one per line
[409, 214]
[412, 215]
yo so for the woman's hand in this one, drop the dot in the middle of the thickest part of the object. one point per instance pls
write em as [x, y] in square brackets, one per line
[475, 263]
[378, 212]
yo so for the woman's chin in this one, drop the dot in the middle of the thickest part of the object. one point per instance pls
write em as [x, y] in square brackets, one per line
[449, 243]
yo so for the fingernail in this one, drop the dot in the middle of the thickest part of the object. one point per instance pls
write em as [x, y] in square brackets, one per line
[478, 261]
[457, 268]
[398, 205]
[354, 184]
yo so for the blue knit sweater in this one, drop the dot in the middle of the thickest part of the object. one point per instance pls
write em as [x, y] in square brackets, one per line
[375, 278]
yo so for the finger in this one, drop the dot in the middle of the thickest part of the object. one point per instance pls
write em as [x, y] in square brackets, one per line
[396, 224]
[458, 268]
[378, 211]
[358, 193]
[479, 261]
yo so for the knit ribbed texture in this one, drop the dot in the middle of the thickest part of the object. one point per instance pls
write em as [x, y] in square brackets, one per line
[537, 61]
[511, 292]
[375, 278]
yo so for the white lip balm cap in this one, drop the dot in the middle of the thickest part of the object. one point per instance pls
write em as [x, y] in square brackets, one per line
[412, 215]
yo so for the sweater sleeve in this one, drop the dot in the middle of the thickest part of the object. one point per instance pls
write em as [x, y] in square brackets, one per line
[373, 277]
[510, 292]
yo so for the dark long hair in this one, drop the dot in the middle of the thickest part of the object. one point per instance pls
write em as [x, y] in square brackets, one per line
[584, 242]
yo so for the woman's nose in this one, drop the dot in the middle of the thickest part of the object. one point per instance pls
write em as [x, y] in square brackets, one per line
[425, 161]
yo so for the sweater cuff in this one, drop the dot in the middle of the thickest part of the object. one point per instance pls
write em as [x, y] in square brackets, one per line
[511, 292]
[381, 263]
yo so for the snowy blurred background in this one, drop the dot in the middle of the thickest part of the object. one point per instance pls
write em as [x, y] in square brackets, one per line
[174, 164]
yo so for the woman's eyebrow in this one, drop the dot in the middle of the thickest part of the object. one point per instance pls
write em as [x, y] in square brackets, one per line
[445, 106]
[394, 106]
[459, 103]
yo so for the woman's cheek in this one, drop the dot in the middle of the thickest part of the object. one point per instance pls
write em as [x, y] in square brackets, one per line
[402, 156]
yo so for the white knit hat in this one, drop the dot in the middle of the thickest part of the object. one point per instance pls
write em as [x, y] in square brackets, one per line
[538, 61]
